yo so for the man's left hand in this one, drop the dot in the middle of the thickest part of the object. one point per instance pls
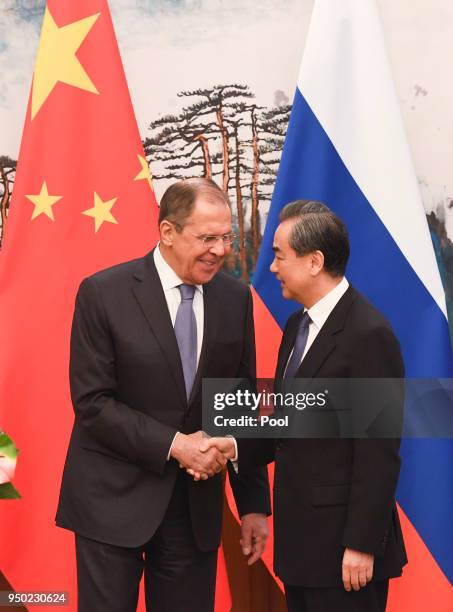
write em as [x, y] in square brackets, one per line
[357, 569]
[254, 533]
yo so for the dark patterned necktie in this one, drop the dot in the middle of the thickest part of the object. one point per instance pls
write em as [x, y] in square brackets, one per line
[299, 346]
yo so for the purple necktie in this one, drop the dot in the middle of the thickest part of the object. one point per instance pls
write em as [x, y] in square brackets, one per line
[186, 335]
[299, 347]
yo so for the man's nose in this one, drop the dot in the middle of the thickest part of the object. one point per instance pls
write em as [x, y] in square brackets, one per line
[273, 267]
[218, 248]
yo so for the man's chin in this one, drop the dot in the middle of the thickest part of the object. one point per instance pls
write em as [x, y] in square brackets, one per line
[206, 274]
[286, 294]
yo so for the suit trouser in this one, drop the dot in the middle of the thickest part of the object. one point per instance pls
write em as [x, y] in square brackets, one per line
[372, 598]
[177, 576]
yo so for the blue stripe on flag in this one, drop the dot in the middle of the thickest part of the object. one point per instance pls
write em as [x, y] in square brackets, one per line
[311, 168]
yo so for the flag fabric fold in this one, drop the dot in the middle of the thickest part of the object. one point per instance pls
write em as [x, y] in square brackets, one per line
[82, 201]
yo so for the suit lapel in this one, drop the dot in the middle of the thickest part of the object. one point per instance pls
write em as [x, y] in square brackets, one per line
[288, 340]
[150, 296]
[316, 355]
[211, 316]
[325, 341]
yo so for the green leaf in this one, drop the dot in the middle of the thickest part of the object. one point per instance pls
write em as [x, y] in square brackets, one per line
[7, 491]
[7, 447]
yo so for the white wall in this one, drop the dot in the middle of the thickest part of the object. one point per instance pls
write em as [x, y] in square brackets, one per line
[168, 46]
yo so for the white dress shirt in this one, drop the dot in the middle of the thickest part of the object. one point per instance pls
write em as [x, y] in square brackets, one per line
[319, 313]
[170, 282]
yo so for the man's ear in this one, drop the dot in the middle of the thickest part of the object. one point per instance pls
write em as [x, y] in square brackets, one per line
[166, 230]
[317, 262]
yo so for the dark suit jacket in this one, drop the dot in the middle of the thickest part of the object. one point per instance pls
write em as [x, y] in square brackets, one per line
[335, 493]
[129, 398]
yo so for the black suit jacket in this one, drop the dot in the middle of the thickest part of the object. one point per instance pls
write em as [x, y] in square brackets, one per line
[335, 493]
[129, 399]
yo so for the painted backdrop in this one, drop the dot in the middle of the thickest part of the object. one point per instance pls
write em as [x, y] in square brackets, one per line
[212, 83]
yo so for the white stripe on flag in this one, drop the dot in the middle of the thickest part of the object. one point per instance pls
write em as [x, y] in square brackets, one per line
[346, 80]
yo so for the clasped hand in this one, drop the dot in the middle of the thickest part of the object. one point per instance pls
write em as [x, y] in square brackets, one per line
[200, 456]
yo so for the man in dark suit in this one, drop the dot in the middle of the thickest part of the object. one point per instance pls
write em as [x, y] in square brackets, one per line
[144, 334]
[337, 534]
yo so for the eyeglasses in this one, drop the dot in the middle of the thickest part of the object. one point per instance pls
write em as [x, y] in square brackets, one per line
[210, 241]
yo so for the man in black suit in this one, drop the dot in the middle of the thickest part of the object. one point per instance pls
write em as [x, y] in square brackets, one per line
[144, 334]
[337, 534]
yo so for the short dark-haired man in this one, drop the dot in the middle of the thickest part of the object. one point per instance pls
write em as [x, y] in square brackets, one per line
[144, 334]
[337, 534]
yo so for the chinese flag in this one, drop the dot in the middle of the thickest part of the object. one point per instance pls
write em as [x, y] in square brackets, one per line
[83, 200]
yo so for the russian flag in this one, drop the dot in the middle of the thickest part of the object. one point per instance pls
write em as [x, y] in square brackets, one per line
[346, 147]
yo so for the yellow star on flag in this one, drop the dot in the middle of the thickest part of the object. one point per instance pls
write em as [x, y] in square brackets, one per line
[56, 61]
[145, 172]
[43, 202]
[101, 211]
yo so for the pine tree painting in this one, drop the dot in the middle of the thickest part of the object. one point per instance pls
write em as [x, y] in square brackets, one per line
[222, 134]
[7, 174]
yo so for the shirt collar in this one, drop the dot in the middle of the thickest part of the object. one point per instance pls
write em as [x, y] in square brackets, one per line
[320, 311]
[168, 277]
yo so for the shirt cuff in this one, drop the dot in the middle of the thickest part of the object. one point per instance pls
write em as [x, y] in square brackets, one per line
[234, 460]
[171, 446]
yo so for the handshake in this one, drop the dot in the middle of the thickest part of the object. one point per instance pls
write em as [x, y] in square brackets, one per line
[201, 456]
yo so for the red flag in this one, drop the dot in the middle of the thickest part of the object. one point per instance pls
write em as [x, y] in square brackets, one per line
[82, 201]
[223, 601]
[268, 338]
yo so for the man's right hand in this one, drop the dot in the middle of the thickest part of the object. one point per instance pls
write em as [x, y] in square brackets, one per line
[186, 450]
[225, 446]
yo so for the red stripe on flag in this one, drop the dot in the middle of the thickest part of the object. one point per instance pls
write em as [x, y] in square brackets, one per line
[423, 586]
[268, 337]
[223, 601]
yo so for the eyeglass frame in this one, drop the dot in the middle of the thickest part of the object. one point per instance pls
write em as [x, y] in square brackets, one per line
[205, 237]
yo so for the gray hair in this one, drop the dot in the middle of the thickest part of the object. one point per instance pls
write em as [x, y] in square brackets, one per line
[179, 199]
